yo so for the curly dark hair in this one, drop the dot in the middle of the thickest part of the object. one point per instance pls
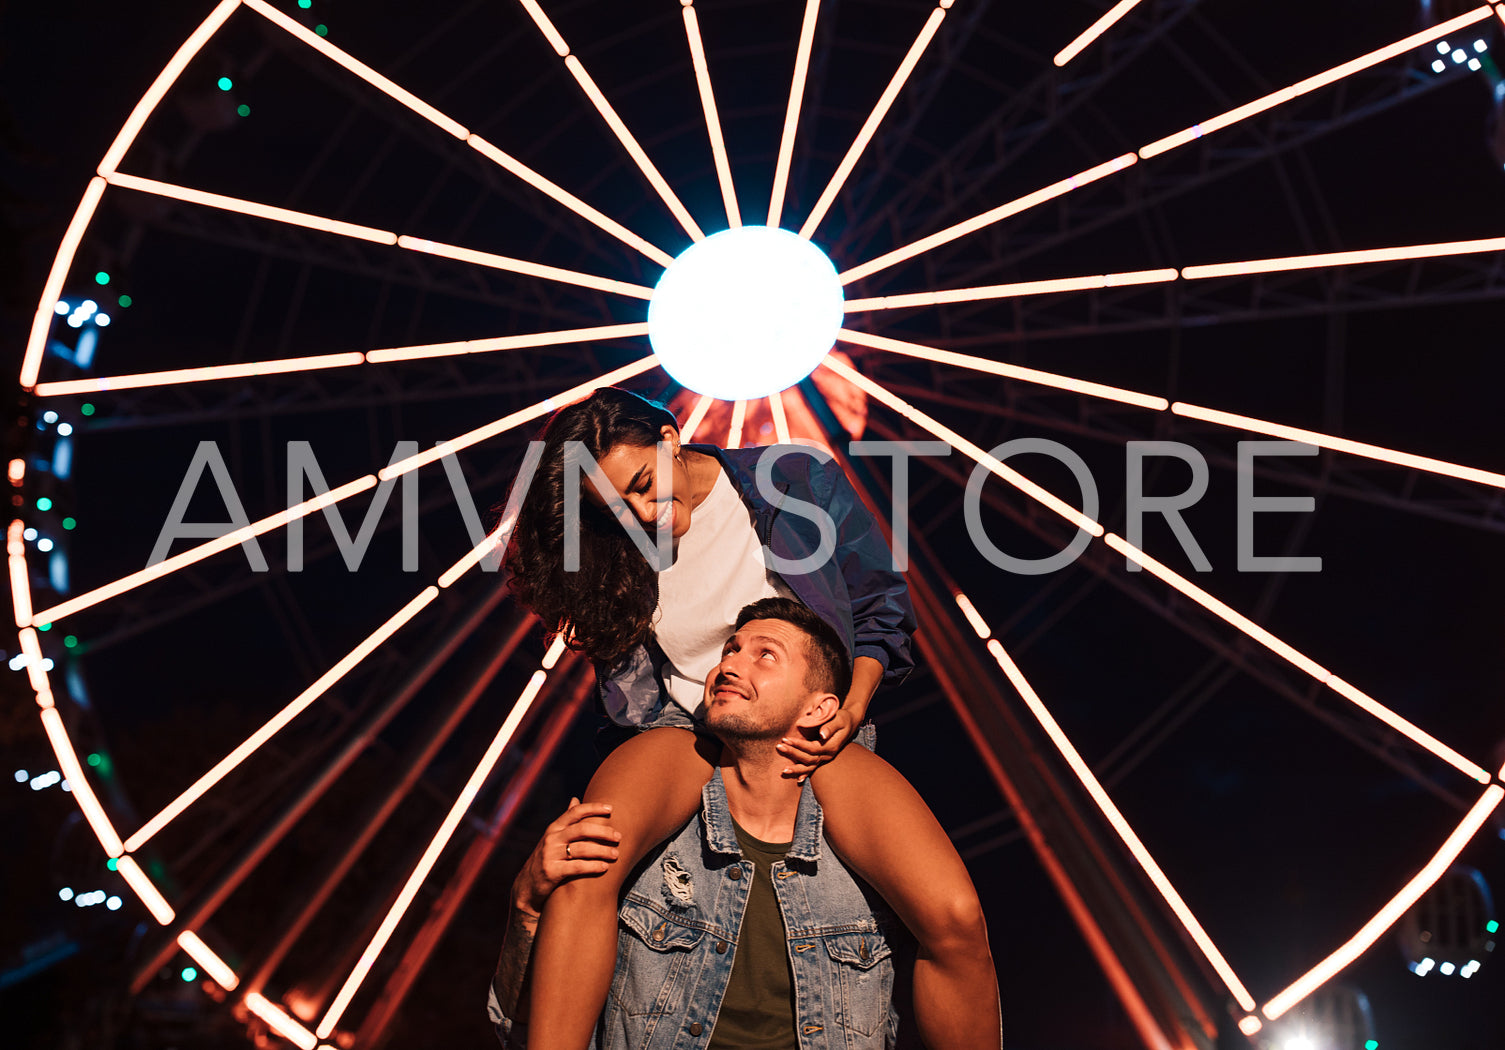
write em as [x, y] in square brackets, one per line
[607, 607]
[829, 668]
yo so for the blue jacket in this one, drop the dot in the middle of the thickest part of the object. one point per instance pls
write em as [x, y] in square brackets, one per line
[678, 930]
[856, 589]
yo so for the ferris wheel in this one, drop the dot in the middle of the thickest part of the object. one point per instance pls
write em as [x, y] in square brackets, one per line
[936, 219]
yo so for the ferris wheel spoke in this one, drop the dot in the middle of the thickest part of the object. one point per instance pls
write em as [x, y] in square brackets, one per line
[289, 217]
[294, 708]
[1095, 30]
[431, 855]
[880, 110]
[988, 218]
[1011, 291]
[697, 416]
[1350, 258]
[1312, 83]
[1387, 916]
[734, 429]
[792, 113]
[1121, 825]
[1008, 371]
[613, 120]
[712, 118]
[780, 421]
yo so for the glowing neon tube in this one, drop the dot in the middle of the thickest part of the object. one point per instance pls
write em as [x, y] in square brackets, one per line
[780, 421]
[146, 890]
[870, 126]
[359, 68]
[792, 113]
[1095, 30]
[697, 416]
[297, 706]
[36, 673]
[546, 27]
[734, 431]
[208, 961]
[987, 218]
[1397, 906]
[1011, 291]
[1337, 444]
[569, 200]
[1367, 255]
[175, 376]
[509, 342]
[634, 150]
[1249, 1024]
[83, 793]
[41, 322]
[431, 854]
[973, 452]
[999, 368]
[712, 119]
[1312, 83]
[1296, 658]
[16, 471]
[1125, 831]
[973, 616]
[20, 589]
[202, 551]
[477, 553]
[280, 1022]
[252, 208]
[516, 419]
[528, 269]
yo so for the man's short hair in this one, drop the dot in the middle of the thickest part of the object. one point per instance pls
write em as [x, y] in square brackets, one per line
[828, 669]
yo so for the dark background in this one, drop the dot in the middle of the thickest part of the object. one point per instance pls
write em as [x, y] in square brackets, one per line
[1282, 835]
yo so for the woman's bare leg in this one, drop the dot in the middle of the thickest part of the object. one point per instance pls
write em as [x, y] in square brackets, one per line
[884, 831]
[653, 784]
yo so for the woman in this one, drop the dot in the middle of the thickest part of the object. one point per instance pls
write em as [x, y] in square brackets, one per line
[654, 634]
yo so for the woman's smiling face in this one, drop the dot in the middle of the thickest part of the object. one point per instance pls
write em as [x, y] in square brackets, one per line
[651, 480]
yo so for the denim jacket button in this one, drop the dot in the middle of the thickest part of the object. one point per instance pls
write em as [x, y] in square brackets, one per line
[734, 873]
[695, 1028]
[721, 947]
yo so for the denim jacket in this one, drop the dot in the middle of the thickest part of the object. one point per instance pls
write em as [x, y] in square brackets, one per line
[677, 937]
[856, 590]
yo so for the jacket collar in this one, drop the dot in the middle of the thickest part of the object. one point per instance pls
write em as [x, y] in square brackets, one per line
[721, 837]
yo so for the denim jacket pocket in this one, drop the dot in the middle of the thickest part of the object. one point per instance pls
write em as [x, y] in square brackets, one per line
[865, 976]
[655, 960]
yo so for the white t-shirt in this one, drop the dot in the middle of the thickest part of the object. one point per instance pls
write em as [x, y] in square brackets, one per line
[718, 568]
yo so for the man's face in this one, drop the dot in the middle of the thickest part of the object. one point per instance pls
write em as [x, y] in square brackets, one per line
[758, 690]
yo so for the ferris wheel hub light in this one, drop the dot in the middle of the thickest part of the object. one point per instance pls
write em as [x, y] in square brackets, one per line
[745, 313]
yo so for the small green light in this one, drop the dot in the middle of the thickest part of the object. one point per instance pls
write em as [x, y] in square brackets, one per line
[44, 626]
[1492, 926]
[125, 301]
[94, 759]
[190, 974]
[225, 83]
[321, 29]
[70, 524]
[243, 109]
[101, 278]
[112, 864]
[71, 641]
[86, 408]
[1371, 1044]
[305, 4]
[44, 504]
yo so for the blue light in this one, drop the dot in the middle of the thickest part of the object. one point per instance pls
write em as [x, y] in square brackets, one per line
[49, 416]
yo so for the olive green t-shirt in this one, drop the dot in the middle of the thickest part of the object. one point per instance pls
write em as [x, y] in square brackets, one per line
[757, 1012]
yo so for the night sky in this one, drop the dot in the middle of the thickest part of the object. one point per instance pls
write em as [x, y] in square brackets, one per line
[1283, 834]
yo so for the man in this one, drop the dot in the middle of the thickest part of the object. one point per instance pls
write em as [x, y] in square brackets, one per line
[741, 932]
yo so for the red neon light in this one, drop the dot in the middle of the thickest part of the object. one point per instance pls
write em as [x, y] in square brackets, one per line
[1332, 76]
[69, 765]
[792, 113]
[998, 368]
[503, 262]
[208, 961]
[252, 208]
[509, 342]
[198, 375]
[146, 890]
[1366, 255]
[202, 551]
[1397, 906]
[1120, 825]
[987, 218]
[431, 854]
[780, 421]
[712, 119]
[294, 708]
[16, 471]
[697, 416]
[280, 1022]
[973, 616]
[870, 126]
[734, 431]
[36, 674]
[20, 589]
[1095, 30]
[516, 419]
[1010, 291]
